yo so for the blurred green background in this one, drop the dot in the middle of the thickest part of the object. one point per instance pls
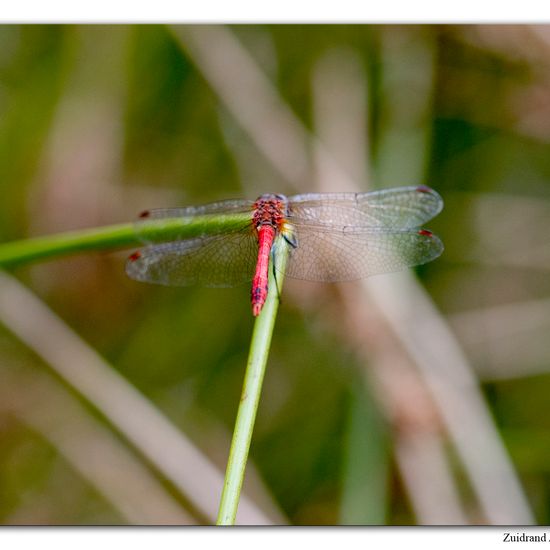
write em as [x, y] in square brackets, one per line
[100, 122]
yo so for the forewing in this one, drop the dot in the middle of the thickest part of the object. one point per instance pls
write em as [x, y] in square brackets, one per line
[398, 209]
[232, 205]
[162, 224]
[216, 261]
[330, 256]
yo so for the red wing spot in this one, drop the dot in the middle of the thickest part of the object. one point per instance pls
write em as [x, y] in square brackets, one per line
[423, 189]
[145, 214]
[425, 233]
[135, 256]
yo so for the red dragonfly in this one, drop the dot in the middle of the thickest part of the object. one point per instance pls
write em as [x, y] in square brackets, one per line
[330, 237]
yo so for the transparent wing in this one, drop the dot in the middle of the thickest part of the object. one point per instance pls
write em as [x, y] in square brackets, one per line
[221, 207]
[172, 224]
[217, 260]
[338, 237]
[326, 255]
[399, 208]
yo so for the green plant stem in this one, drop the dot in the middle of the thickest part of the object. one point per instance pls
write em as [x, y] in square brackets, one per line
[59, 244]
[250, 397]
[116, 236]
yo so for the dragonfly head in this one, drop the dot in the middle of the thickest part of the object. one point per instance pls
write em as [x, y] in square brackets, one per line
[267, 197]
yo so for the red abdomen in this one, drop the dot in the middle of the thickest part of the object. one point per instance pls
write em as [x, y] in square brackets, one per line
[266, 234]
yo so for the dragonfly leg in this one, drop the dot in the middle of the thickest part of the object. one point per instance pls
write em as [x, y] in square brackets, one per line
[291, 240]
[275, 273]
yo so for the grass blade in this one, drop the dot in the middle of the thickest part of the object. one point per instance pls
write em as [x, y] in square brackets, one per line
[365, 479]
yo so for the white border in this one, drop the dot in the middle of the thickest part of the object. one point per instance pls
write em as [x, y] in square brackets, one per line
[363, 538]
[282, 11]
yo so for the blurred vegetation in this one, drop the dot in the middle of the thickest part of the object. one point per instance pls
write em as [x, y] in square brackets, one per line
[100, 122]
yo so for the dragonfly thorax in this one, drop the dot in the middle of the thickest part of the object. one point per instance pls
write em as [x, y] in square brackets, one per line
[270, 209]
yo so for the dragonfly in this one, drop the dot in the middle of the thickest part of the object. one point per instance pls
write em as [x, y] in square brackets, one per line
[329, 237]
